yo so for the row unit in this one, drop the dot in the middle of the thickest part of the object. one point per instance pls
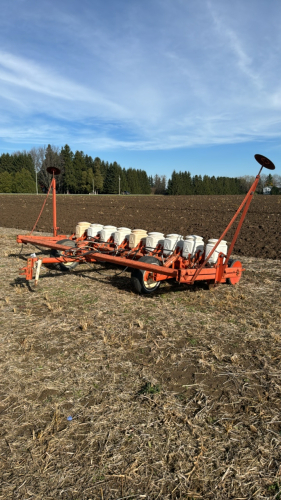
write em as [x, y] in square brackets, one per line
[189, 245]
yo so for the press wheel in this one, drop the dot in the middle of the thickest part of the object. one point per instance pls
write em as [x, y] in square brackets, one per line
[233, 280]
[64, 266]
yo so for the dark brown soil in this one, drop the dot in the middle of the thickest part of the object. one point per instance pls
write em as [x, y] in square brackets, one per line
[108, 395]
[206, 216]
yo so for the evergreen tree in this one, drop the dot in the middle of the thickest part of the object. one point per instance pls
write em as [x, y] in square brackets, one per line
[124, 184]
[219, 185]
[69, 182]
[98, 178]
[111, 182]
[103, 167]
[80, 172]
[24, 160]
[6, 163]
[144, 183]
[173, 184]
[89, 162]
[197, 184]
[206, 186]
[15, 162]
[183, 184]
[6, 182]
[132, 180]
[186, 183]
[87, 178]
[150, 180]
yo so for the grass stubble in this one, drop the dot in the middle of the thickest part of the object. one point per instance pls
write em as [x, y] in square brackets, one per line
[107, 395]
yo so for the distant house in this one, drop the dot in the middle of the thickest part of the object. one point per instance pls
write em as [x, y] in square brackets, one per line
[266, 190]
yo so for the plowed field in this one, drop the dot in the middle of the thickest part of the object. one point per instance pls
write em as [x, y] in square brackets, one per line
[206, 216]
[108, 395]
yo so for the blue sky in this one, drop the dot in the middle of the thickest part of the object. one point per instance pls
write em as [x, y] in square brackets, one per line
[153, 84]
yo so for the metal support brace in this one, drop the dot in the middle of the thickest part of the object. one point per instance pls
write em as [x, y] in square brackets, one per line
[38, 265]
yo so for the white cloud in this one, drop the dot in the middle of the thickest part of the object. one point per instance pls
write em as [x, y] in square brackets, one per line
[19, 75]
[163, 75]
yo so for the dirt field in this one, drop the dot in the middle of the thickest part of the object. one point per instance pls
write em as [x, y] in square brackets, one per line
[108, 395]
[206, 216]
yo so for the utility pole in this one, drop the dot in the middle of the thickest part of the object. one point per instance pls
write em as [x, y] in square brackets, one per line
[119, 183]
[93, 185]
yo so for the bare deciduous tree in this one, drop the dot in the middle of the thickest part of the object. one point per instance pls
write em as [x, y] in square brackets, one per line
[38, 155]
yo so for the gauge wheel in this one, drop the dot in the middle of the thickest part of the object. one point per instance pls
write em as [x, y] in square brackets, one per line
[236, 278]
[142, 280]
[64, 266]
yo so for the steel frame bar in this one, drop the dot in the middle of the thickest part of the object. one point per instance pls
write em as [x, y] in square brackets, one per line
[159, 273]
[55, 228]
[43, 241]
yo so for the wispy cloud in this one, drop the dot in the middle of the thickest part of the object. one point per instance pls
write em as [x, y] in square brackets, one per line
[26, 76]
[233, 43]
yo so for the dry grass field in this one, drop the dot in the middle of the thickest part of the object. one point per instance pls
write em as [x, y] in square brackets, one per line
[108, 395]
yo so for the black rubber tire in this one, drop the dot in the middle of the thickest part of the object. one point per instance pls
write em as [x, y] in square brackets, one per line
[64, 266]
[137, 277]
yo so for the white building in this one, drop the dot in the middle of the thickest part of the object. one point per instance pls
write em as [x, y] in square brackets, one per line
[266, 190]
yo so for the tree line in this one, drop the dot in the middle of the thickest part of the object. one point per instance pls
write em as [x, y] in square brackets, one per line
[79, 173]
[17, 173]
[26, 172]
[184, 183]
